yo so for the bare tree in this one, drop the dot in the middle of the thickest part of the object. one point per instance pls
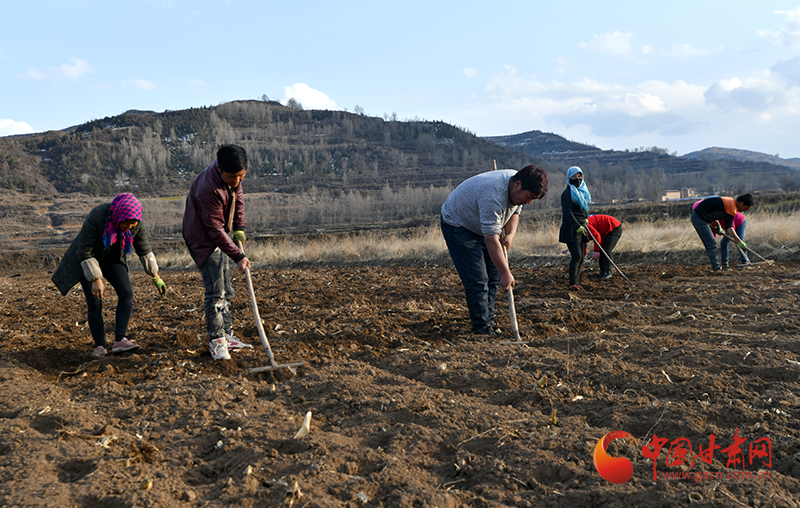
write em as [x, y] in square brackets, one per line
[294, 104]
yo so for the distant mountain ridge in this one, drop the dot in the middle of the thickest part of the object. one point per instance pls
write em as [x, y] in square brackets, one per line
[553, 146]
[542, 143]
[717, 153]
[296, 151]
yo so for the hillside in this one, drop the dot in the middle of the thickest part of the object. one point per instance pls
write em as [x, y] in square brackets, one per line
[333, 153]
[717, 153]
[290, 150]
[658, 170]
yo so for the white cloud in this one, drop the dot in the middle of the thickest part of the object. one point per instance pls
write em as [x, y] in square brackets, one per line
[471, 73]
[10, 127]
[607, 109]
[789, 34]
[788, 70]
[687, 51]
[766, 96]
[75, 71]
[141, 84]
[562, 65]
[33, 74]
[308, 97]
[614, 43]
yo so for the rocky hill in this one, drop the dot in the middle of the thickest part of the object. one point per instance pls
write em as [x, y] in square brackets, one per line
[293, 151]
[290, 150]
[717, 153]
[657, 170]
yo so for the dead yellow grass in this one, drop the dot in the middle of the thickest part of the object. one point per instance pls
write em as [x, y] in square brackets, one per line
[765, 234]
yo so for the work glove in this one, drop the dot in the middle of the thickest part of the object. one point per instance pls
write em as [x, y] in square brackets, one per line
[596, 255]
[238, 236]
[582, 230]
[160, 286]
[716, 229]
[742, 245]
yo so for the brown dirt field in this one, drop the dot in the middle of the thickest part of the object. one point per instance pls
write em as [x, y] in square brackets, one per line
[408, 409]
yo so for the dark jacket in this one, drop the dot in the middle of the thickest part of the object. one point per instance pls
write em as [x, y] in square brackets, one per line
[722, 209]
[89, 244]
[205, 221]
[572, 217]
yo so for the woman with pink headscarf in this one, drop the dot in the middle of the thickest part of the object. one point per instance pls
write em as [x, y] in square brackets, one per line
[109, 234]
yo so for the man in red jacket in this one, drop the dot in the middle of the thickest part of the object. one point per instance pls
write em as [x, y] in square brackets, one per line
[214, 208]
[606, 231]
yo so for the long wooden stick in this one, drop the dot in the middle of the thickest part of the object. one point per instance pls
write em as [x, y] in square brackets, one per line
[512, 311]
[260, 327]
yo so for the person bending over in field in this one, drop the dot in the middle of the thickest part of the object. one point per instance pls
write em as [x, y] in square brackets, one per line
[722, 209]
[606, 231]
[214, 208]
[740, 226]
[473, 217]
[109, 234]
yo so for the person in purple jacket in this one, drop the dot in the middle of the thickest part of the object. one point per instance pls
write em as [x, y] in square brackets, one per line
[214, 209]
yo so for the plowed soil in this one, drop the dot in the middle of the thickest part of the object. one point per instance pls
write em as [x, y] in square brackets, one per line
[407, 408]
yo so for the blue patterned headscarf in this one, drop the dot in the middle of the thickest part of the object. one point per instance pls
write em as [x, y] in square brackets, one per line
[580, 194]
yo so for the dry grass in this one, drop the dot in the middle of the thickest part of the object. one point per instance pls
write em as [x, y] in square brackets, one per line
[766, 234]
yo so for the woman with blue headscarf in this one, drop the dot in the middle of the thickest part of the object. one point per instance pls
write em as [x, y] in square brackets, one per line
[574, 218]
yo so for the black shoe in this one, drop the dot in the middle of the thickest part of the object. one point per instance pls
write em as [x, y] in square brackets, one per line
[485, 330]
[496, 329]
[605, 276]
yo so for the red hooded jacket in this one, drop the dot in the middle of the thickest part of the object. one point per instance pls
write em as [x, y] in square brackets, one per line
[600, 225]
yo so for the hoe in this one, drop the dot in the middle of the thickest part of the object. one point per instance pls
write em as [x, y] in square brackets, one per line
[260, 326]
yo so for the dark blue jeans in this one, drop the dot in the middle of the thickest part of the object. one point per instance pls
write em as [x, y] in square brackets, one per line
[724, 244]
[117, 275]
[707, 237]
[477, 271]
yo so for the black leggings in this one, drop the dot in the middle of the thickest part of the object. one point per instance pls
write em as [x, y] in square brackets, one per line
[117, 275]
[609, 242]
[576, 250]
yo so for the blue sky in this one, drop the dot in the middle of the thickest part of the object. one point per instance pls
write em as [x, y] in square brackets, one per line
[678, 75]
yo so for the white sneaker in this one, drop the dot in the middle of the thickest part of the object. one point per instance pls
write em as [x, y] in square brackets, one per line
[219, 349]
[235, 343]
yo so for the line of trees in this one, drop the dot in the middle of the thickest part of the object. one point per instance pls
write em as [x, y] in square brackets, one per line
[293, 150]
[318, 208]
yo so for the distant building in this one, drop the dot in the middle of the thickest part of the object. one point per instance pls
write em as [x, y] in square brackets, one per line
[674, 195]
